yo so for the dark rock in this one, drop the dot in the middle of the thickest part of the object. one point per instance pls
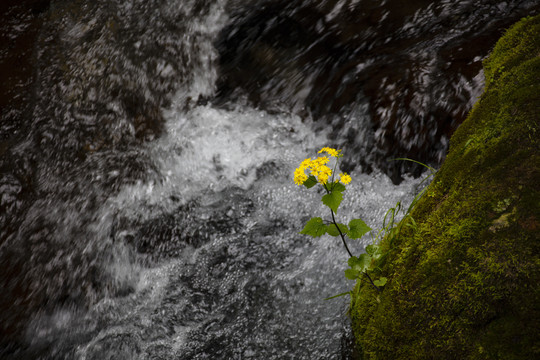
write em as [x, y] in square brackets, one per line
[390, 80]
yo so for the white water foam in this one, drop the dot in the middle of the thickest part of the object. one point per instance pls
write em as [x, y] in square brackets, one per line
[208, 150]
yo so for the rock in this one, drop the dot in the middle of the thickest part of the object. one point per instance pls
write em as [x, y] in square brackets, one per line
[463, 283]
[389, 80]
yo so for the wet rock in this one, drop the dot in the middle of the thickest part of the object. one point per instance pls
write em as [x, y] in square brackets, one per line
[416, 68]
[463, 281]
[192, 224]
[20, 22]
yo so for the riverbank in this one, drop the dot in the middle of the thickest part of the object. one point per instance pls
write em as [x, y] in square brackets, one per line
[463, 282]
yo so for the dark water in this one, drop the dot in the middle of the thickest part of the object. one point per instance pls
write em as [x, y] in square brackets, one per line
[147, 208]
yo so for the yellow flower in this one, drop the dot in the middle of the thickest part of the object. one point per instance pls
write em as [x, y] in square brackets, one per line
[344, 178]
[299, 176]
[322, 174]
[330, 151]
[300, 173]
[318, 169]
[318, 162]
[306, 163]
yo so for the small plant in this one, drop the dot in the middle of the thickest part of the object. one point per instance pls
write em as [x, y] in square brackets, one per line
[321, 174]
[365, 266]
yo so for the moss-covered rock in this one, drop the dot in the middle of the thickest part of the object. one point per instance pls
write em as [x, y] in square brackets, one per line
[464, 282]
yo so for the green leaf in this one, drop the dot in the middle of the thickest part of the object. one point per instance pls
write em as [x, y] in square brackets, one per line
[332, 200]
[364, 261]
[351, 274]
[357, 228]
[333, 229]
[372, 249]
[352, 260]
[360, 263]
[380, 282]
[338, 295]
[314, 227]
[310, 182]
[337, 186]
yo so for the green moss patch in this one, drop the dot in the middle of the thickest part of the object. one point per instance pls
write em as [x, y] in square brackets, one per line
[464, 284]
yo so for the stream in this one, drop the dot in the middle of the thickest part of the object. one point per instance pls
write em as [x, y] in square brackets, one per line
[147, 151]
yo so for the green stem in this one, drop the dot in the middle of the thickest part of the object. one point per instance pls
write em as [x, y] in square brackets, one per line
[340, 233]
[345, 243]
[371, 281]
[337, 227]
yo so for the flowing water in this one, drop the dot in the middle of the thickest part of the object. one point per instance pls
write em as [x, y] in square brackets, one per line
[147, 203]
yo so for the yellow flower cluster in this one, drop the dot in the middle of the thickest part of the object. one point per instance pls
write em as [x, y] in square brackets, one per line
[318, 168]
[299, 174]
[344, 178]
[330, 151]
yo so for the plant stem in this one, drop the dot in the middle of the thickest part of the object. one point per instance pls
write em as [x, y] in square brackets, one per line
[371, 281]
[337, 227]
[345, 243]
[340, 233]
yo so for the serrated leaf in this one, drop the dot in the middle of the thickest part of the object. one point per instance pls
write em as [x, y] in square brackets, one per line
[351, 274]
[310, 182]
[314, 227]
[360, 263]
[333, 229]
[337, 186]
[372, 249]
[332, 200]
[357, 228]
[364, 261]
[380, 282]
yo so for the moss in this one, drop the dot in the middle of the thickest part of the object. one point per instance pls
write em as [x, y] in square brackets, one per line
[519, 42]
[463, 284]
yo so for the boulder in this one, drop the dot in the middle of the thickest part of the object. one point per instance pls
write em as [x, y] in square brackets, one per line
[463, 278]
